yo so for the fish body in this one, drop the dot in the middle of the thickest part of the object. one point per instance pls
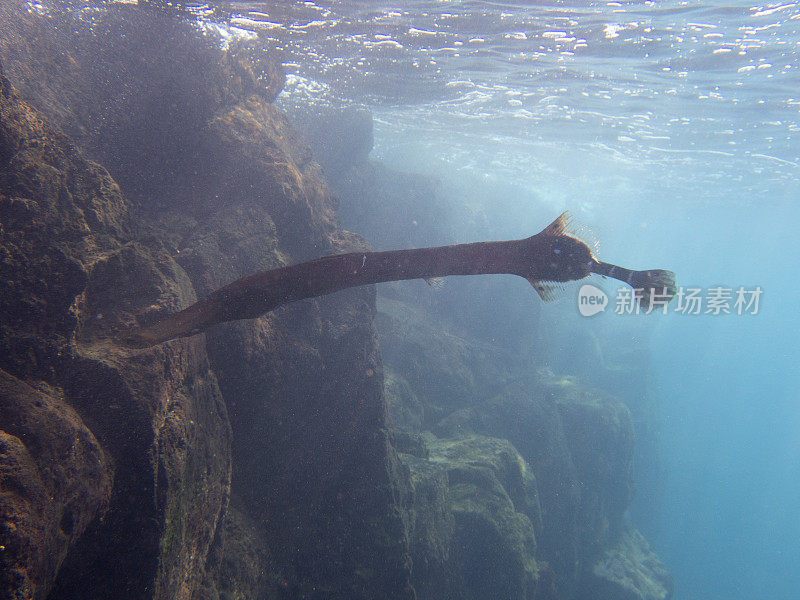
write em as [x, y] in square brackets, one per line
[551, 256]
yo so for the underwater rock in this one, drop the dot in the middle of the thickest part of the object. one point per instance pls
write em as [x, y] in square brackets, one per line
[260, 165]
[57, 212]
[54, 480]
[226, 188]
[473, 515]
[628, 570]
[135, 87]
[70, 275]
[340, 138]
[393, 210]
[447, 371]
[239, 564]
[406, 410]
[533, 425]
[580, 448]
[324, 482]
[599, 432]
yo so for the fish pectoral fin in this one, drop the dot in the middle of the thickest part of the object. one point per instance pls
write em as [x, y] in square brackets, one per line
[547, 290]
[436, 283]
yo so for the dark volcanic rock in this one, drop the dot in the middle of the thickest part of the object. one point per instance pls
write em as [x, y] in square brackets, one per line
[133, 86]
[70, 276]
[54, 480]
[309, 374]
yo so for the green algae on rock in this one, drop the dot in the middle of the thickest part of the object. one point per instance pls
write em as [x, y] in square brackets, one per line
[473, 517]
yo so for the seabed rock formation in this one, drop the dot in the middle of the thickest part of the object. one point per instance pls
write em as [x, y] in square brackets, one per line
[142, 168]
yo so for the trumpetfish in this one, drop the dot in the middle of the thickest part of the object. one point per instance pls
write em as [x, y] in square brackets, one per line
[550, 257]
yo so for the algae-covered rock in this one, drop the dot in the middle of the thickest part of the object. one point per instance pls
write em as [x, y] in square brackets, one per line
[628, 570]
[71, 275]
[54, 480]
[580, 448]
[473, 514]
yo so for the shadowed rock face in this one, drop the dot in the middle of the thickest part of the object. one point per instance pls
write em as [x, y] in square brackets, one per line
[209, 183]
[71, 272]
[54, 480]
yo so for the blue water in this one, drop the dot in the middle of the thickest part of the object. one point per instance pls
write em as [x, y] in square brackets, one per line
[670, 128]
[728, 390]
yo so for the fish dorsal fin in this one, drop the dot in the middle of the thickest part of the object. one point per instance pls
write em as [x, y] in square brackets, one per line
[559, 226]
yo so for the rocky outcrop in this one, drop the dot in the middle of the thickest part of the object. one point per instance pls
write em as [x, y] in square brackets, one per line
[473, 515]
[628, 570]
[206, 181]
[70, 275]
[55, 479]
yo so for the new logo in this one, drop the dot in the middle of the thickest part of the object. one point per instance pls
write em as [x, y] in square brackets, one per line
[591, 300]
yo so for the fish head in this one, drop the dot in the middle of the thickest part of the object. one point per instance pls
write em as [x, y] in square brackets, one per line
[564, 258]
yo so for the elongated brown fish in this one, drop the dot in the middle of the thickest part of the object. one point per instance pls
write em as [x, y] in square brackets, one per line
[548, 257]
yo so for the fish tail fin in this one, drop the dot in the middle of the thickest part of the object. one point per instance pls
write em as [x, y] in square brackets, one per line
[653, 284]
[190, 321]
[648, 285]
